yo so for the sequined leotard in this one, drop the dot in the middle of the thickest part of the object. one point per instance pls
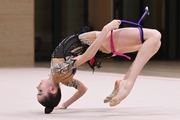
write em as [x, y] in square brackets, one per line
[62, 63]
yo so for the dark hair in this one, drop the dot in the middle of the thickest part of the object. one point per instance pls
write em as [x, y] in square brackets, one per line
[51, 101]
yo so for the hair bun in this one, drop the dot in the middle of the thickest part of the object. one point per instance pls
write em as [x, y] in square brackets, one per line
[48, 110]
[84, 29]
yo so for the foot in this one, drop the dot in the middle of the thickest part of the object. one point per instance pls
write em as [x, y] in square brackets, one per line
[114, 93]
[115, 101]
[119, 96]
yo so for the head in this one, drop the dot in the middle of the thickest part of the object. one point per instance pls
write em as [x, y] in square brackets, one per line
[48, 95]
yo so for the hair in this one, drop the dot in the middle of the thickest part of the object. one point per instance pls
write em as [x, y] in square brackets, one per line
[51, 101]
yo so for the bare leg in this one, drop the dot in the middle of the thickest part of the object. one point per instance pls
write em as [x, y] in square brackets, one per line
[117, 85]
[148, 49]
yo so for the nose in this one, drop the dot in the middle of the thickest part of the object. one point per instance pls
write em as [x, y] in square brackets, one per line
[39, 85]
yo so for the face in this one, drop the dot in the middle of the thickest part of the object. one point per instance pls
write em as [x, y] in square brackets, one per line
[43, 89]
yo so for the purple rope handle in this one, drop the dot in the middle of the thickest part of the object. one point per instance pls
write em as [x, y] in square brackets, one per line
[139, 22]
[132, 23]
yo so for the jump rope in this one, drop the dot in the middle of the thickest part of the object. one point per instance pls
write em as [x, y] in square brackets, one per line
[138, 24]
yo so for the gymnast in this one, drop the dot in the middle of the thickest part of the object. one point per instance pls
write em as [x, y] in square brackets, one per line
[85, 46]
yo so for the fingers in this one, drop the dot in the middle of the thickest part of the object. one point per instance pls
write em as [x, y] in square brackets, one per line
[59, 107]
[62, 106]
[114, 24]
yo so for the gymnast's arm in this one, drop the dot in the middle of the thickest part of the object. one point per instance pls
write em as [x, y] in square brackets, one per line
[81, 90]
[94, 47]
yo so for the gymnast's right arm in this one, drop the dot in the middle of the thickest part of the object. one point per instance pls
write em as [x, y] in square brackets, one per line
[94, 47]
[81, 90]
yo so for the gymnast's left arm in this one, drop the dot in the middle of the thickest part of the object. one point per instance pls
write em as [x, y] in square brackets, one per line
[81, 90]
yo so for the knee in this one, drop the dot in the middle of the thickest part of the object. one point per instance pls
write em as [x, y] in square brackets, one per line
[156, 34]
[156, 39]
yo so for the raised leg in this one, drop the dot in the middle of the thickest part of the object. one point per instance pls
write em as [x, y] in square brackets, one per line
[147, 50]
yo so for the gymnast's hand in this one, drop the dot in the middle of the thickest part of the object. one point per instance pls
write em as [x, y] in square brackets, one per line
[114, 24]
[62, 106]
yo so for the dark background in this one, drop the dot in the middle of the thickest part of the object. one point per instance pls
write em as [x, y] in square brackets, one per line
[55, 19]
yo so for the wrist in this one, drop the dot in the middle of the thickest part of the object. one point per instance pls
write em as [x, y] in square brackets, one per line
[106, 29]
[64, 105]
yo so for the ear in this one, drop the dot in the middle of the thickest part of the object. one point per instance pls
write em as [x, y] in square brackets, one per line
[53, 90]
